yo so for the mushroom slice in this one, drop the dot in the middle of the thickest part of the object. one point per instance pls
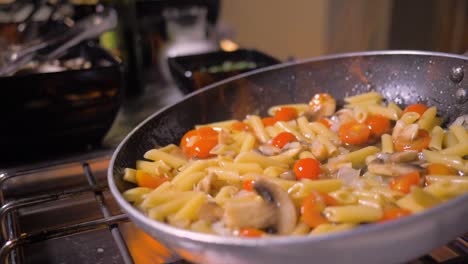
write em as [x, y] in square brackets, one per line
[273, 194]
[210, 212]
[324, 104]
[404, 156]
[392, 169]
[255, 213]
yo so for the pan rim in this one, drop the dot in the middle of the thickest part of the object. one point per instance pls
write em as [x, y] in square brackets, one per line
[280, 240]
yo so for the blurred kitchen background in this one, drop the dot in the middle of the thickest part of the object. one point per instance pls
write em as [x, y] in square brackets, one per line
[168, 48]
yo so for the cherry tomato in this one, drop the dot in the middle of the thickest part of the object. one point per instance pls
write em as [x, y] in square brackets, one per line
[312, 207]
[268, 121]
[378, 125]
[394, 213]
[325, 122]
[198, 143]
[188, 138]
[403, 183]
[312, 215]
[240, 126]
[207, 132]
[418, 108]
[282, 139]
[354, 133]
[307, 168]
[440, 169]
[285, 114]
[144, 179]
[250, 232]
[248, 185]
[419, 143]
[323, 198]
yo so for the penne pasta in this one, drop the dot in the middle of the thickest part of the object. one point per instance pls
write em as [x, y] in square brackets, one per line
[304, 127]
[129, 175]
[353, 213]
[358, 157]
[460, 133]
[337, 170]
[427, 120]
[259, 130]
[387, 143]
[331, 228]
[458, 150]
[172, 160]
[437, 135]
[383, 111]
[451, 160]
[449, 140]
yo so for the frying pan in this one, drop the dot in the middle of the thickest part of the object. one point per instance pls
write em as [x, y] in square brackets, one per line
[406, 77]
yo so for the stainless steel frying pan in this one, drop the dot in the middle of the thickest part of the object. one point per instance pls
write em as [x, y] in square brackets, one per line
[402, 76]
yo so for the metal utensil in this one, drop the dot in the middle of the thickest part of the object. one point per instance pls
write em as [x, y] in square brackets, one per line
[50, 49]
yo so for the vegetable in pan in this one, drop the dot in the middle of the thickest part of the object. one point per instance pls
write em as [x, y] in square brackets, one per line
[307, 169]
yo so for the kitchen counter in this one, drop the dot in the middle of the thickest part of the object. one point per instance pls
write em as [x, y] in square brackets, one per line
[158, 94]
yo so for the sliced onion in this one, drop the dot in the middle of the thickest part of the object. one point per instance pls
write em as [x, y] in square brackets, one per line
[348, 175]
[268, 150]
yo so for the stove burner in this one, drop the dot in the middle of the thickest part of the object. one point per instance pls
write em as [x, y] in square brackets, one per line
[62, 212]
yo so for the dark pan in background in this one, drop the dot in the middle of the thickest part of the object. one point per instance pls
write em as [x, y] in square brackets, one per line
[193, 72]
[405, 77]
[46, 112]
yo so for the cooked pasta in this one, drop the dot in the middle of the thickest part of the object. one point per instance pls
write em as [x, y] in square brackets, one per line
[308, 169]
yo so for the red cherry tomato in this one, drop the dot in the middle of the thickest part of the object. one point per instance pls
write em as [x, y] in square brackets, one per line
[390, 214]
[325, 122]
[282, 139]
[248, 185]
[312, 207]
[250, 232]
[307, 168]
[354, 133]
[268, 121]
[198, 143]
[285, 114]
[378, 125]
[421, 142]
[403, 183]
[240, 126]
[417, 108]
[440, 169]
[144, 179]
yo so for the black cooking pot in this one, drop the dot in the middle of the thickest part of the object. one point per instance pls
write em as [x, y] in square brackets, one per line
[45, 112]
[405, 77]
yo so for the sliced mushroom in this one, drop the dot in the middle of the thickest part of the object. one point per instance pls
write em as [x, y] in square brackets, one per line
[256, 213]
[392, 169]
[210, 212]
[404, 156]
[284, 208]
[321, 105]
[269, 150]
[324, 104]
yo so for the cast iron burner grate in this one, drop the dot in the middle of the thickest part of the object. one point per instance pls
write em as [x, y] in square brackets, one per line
[63, 212]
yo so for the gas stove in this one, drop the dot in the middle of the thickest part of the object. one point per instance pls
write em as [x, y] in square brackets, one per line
[63, 212]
